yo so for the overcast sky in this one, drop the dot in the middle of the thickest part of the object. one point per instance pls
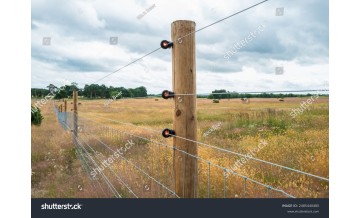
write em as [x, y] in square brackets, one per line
[80, 48]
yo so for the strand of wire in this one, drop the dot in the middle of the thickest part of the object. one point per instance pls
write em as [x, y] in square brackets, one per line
[83, 163]
[252, 158]
[197, 157]
[121, 181]
[224, 150]
[138, 168]
[111, 187]
[132, 62]
[194, 156]
[82, 159]
[261, 92]
[180, 39]
[207, 26]
[225, 18]
[127, 159]
[220, 167]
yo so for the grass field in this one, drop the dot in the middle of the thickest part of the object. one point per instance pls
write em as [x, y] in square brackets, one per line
[301, 143]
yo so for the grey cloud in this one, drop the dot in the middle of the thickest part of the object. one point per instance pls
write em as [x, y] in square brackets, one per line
[300, 36]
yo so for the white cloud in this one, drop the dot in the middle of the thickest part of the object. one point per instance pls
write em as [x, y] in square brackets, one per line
[80, 49]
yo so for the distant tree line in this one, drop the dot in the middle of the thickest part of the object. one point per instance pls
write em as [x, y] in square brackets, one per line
[95, 91]
[92, 91]
[226, 94]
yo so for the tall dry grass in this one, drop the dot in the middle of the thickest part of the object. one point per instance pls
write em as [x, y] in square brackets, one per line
[300, 143]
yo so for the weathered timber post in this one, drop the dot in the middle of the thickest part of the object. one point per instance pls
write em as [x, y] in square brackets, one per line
[185, 119]
[75, 100]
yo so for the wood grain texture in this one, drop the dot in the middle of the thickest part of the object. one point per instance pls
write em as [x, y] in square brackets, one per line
[185, 120]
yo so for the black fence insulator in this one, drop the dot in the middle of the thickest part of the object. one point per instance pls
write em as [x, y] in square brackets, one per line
[166, 44]
[168, 133]
[167, 94]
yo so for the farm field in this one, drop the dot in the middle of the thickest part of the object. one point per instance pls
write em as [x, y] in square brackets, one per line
[300, 143]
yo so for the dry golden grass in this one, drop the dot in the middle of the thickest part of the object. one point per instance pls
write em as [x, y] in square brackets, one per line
[300, 143]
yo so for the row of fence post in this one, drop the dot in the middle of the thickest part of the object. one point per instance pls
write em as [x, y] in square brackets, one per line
[185, 118]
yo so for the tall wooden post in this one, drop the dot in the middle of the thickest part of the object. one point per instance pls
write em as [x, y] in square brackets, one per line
[65, 114]
[185, 120]
[75, 99]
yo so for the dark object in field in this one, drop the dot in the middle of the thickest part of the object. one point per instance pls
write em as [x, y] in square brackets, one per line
[216, 101]
[281, 99]
[245, 100]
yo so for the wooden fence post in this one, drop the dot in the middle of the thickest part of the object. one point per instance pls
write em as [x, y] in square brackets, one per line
[185, 119]
[75, 103]
[65, 114]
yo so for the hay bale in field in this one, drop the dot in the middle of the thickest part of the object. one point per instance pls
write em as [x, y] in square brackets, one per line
[245, 100]
[281, 99]
[156, 99]
[216, 101]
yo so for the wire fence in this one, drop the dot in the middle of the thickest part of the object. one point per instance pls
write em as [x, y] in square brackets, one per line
[131, 164]
[128, 163]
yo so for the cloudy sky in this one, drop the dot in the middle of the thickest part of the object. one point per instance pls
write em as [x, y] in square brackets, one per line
[79, 47]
